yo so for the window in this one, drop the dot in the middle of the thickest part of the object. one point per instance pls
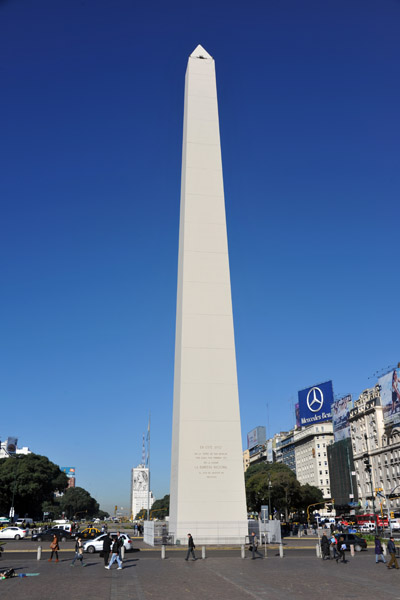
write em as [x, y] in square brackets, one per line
[320, 472]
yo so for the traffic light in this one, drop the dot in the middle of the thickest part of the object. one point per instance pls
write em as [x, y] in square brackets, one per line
[367, 465]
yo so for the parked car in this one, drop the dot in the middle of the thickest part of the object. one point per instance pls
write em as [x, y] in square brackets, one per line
[88, 534]
[96, 545]
[351, 539]
[48, 534]
[12, 533]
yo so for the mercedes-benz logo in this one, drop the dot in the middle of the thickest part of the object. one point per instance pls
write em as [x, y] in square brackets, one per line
[315, 399]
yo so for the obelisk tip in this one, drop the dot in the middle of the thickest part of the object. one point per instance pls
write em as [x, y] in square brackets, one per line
[199, 52]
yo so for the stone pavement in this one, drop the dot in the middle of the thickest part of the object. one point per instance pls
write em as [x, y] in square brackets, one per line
[147, 577]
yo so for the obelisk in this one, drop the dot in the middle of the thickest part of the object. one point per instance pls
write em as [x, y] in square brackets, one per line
[207, 479]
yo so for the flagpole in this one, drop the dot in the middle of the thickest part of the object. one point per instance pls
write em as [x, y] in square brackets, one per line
[148, 466]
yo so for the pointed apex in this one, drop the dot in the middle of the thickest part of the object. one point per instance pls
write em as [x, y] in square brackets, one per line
[199, 52]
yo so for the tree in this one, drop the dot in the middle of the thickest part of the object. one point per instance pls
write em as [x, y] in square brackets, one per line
[77, 501]
[160, 508]
[276, 483]
[28, 480]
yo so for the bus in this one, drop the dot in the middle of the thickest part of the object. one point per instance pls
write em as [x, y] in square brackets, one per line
[370, 518]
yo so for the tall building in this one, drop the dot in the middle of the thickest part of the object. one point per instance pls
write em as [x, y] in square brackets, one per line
[207, 480]
[285, 450]
[376, 451]
[341, 471]
[312, 455]
[141, 498]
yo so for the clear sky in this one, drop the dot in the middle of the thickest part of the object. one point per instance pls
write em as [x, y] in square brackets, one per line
[91, 96]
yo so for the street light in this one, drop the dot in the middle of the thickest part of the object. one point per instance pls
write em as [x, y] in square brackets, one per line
[269, 497]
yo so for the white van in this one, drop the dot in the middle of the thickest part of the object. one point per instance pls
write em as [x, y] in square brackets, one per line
[19, 522]
[64, 527]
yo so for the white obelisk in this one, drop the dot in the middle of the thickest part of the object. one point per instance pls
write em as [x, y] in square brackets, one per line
[207, 479]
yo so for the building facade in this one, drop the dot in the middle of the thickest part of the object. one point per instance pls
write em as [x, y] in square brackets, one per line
[342, 475]
[311, 454]
[285, 450]
[376, 454]
[141, 498]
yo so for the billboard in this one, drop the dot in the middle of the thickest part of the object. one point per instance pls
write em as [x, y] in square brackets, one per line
[315, 404]
[256, 437]
[69, 471]
[11, 445]
[390, 398]
[340, 417]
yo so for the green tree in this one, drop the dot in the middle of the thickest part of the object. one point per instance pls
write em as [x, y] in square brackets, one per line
[77, 502]
[160, 508]
[28, 481]
[278, 481]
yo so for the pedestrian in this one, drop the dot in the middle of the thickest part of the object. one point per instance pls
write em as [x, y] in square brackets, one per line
[54, 548]
[333, 547]
[191, 547]
[254, 546]
[379, 551]
[107, 543]
[120, 543]
[115, 555]
[392, 551]
[341, 546]
[78, 552]
[325, 547]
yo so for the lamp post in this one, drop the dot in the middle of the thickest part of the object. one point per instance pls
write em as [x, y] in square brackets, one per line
[269, 497]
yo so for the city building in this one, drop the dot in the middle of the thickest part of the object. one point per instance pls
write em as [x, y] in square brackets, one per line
[376, 451]
[342, 475]
[141, 498]
[285, 450]
[311, 455]
[6, 450]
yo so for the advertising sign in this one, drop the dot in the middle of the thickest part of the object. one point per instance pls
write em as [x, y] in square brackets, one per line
[69, 471]
[315, 404]
[12, 445]
[256, 437]
[390, 398]
[340, 417]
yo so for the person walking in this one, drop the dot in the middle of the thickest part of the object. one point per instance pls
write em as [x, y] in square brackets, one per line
[191, 547]
[341, 548]
[78, 552]
[54, 548]
[254, 546]
[115, 555]
[107, 543]
[325, 547]
[379, 551]
[392, 551]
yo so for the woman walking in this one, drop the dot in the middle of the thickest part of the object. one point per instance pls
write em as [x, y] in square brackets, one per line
[379, 551]
[54, 548]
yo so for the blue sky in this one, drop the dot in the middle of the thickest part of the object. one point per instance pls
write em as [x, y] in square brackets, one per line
[90, 150]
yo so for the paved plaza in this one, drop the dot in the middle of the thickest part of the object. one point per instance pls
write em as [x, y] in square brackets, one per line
[223, 575]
